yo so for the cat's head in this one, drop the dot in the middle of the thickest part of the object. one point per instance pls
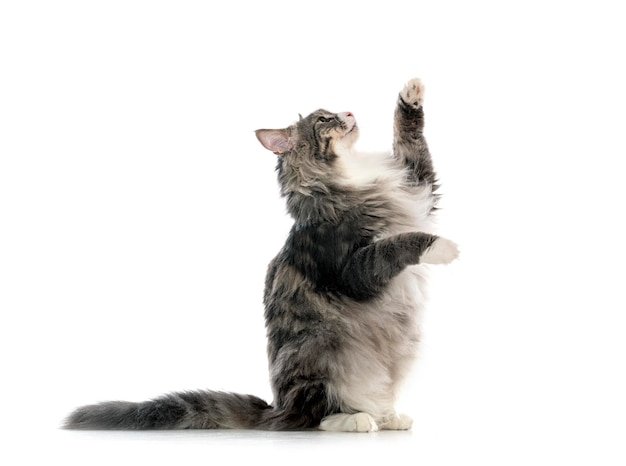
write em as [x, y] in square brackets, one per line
[321, 135]
[309, 150]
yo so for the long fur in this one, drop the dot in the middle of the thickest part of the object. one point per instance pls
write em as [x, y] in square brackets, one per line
[341, 298]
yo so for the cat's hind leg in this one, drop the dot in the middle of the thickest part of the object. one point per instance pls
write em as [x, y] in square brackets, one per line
[359, 422]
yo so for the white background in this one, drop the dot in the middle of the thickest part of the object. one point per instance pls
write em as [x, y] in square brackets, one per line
[138, 213]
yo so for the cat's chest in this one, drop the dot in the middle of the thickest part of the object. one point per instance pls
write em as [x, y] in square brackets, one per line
[399, 209]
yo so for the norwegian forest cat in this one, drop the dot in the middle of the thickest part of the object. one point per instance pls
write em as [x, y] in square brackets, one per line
[341, 297]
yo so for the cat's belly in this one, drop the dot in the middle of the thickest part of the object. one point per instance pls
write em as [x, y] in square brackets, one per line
[380, 347]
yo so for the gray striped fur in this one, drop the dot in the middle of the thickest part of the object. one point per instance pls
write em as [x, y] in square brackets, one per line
[342, 297]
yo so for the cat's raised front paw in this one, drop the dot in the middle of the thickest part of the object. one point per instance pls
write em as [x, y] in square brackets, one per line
[413, 93]
[442, 251]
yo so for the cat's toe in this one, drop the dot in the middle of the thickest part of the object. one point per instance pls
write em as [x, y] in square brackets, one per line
[413, 93]
[442, 251]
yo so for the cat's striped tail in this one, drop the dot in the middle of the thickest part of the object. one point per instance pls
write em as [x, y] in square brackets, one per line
[186, 410]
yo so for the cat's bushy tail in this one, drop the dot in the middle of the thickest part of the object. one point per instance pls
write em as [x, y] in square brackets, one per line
[186, 410]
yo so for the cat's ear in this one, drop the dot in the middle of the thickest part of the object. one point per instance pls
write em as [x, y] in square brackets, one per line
[277, 140]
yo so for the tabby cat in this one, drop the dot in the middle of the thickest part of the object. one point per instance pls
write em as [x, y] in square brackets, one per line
[342, 296]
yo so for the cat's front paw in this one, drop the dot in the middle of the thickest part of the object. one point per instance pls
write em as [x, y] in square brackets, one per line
[413, 93]
[442, 251]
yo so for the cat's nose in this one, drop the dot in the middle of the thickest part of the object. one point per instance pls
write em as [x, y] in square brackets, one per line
[349, 114]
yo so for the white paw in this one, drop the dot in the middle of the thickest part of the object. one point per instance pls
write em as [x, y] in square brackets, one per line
[404, 422]
[363, 422]
[359, 422]
[442, 251]
[399, 422]
[413, 93]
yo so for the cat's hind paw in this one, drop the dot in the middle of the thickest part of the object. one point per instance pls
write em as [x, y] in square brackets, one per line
[442, 251]
[359, 422]
[398, 422]
[413, 93]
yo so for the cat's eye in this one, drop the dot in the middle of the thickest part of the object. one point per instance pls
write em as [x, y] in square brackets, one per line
[323, 119]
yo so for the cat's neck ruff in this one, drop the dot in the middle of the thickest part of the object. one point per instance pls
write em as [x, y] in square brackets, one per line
[362, 169]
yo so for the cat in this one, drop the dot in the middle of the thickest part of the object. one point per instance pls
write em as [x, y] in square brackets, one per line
[342, 296]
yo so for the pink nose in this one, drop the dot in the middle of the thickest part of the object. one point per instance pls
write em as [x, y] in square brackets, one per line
[349, 114]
